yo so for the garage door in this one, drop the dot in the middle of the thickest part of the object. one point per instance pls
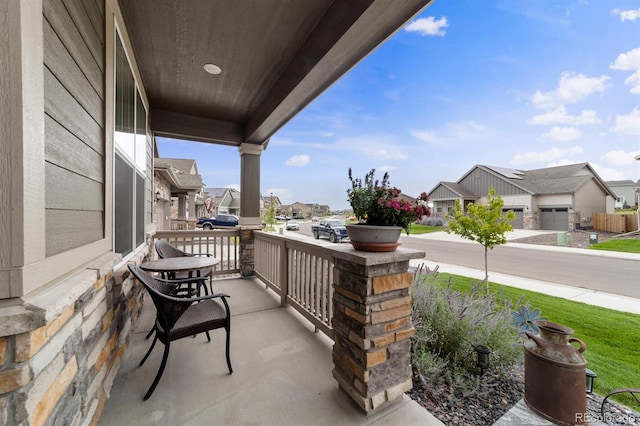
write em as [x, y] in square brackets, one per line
[518, 222]
[556, 219]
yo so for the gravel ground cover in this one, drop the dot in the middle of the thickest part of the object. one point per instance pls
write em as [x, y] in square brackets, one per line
[494, 397]
[576, 239]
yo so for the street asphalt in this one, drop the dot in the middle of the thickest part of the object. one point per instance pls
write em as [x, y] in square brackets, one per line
[591, 297]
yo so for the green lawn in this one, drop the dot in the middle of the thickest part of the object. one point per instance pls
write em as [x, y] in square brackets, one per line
[625, 245]
[424, 229]
[612, 337]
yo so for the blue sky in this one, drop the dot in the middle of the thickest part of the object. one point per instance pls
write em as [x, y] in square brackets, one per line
[509, 83]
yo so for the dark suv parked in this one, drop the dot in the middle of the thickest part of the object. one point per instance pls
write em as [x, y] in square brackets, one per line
[219, 220]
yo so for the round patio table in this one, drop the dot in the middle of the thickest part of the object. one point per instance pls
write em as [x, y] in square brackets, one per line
[171, 265]
[168, 266]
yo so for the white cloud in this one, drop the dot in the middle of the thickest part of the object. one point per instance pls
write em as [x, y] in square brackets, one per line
[298, 160]
[628, 125]
[629, 61]
[627, 15]
[608, 173]
[544, 156]
[560, 116]
[428, 26]
[620, 158]
[562, 134]
[386, 168]
[381, 146]
[285, 194]
[428, 136]
[454, 132]
[235, 186]
[572, 88]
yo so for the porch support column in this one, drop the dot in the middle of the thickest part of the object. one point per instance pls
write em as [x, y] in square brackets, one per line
[182, 206]
[249, 204]
[372, 325]
[191, 196]
[250, 183]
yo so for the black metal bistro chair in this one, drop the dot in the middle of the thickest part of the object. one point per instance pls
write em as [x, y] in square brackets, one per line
[165, 249]
[182, 316]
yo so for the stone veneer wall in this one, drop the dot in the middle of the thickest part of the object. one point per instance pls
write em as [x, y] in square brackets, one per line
[531, 220]
[247, 251]
[60, 350]
[372, 326]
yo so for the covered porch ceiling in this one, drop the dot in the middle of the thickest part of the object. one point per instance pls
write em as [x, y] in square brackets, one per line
[275, 57]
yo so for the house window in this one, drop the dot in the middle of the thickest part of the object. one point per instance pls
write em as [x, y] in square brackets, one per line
[130, 164]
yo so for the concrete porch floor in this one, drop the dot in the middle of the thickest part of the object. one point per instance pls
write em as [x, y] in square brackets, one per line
[281, 374]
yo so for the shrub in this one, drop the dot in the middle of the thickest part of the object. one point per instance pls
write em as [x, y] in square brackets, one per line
[448, 325]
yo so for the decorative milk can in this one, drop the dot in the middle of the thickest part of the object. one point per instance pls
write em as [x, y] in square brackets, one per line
[554, 374]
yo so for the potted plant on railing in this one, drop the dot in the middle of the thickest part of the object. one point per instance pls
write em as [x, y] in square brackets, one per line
[382, 214]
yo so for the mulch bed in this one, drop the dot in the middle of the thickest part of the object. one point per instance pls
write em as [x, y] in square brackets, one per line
[494, 397]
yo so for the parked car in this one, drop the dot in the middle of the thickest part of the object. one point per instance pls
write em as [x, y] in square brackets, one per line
[335, 229]
[282, 217]
[293, 225]
[315, 219]
[218, 220]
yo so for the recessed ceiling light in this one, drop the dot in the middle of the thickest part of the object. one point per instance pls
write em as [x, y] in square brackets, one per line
[212, 69]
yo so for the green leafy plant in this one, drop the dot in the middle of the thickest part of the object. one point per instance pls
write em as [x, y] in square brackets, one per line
[270, 215]
[374, 202]
[448, 325]
[484, 223]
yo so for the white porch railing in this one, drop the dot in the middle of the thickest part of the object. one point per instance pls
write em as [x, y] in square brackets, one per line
[300, 272]
[223, 244]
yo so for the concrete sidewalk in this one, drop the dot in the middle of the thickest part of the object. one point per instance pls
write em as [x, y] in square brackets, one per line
[591, 297]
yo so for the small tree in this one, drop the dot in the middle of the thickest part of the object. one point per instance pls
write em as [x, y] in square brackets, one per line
[485, 224]
[270, 216]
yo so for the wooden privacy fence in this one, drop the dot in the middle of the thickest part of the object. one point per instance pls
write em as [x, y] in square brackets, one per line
[618, 223]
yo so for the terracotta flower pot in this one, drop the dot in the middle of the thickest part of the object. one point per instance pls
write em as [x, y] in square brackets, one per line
[374, 238]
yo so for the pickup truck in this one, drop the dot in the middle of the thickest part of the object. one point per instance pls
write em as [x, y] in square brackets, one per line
[217, 221]
[333, 228]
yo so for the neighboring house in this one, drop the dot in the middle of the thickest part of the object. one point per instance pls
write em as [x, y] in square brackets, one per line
[223, 201]
[304, 210]
[178, 188]
[266, 204]
[320, 210]
[86, 88]
[555, 198]
[625, 192]
[300, 210]
[272, 199]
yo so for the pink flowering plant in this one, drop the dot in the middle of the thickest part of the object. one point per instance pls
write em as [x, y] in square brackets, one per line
[377, 203]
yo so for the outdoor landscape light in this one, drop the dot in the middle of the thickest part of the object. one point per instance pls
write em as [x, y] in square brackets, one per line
[482, 354]
[591, 376]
